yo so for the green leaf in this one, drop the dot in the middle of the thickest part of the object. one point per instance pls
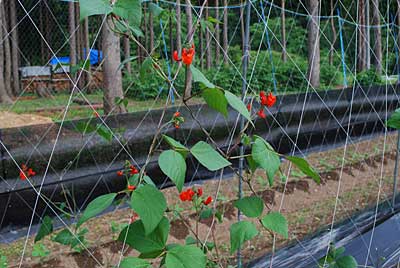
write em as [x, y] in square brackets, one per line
[206, 214]
[134, 235]
[198, 76]
[241, 232]
[130, 262]
[215, 98]
[94, 7]
[65, 237]
[98, 205]
[238, 105]
[277, 223]
[46, 228]
[265, 157]
[104, 132]
[131, 10]
[146, 69]
[208, 157]
[251, 206]
[155, 9]
[39, 250]
[176, 145]
[148, 180]
[187, 256]
[394, 120]
[174, 166]
[150, 204]
[85, 127]
[303, 165]
[3, 262]
[346, 262]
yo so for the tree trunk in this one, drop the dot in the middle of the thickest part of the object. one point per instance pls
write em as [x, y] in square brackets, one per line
[178, 27]
[112, 77]
[225, 32]
[145, 29]
[4, 97]
[86, 41]
[41, 28]
[313, 73]
[188, 81]
[283, 31]
[361, 59]
[332, 50]
[208, 39]
[127, 54]
[377, 36]
[7, 53]
[72, 40]
[201, 46]
[217, 34]
[14, 48]
[171, 40]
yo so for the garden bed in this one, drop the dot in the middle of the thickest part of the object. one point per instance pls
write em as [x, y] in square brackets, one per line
[308, 207]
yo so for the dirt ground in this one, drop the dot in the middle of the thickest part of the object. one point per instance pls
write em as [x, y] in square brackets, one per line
[308, 207]
[10, 120]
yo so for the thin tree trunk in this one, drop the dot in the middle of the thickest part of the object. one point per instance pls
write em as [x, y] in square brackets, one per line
[361, 60]
[151, 30]
[178, 27]
[225, 32]
[4, 97]
[313, 73]
[7, 53]
[14, 48]
[127, 54]
[332, 50]
[189, 19]
[41, 27]
[112, 76]
[72, 40]
[217, 34]
[283, 31]
[145, 29]
[86, 41]
[377, 36]
[208, 39]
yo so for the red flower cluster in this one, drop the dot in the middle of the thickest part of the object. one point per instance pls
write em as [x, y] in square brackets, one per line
[266, 100]
[26, 172]
[187, 55]
[189, 194]
[177, 119]
[120, 173]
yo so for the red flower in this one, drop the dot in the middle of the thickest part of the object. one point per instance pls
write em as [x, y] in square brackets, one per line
[199, 192]
[208, 201]
[249, 107]
[187, 55]
[177, 114]
[131, 187]
[187, 195]
[271, 99]
[26, 172]
[31, 173]
[120, 173]
[133, 170]
[261, 113]
[175, 56]
[22, 175]
[184, 196]
[176, 126]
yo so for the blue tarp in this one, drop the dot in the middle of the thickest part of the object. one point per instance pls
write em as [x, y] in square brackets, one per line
[95, 57]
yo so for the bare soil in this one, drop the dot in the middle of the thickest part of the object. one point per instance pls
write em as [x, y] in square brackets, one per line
[356, 181]
[10, 120]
